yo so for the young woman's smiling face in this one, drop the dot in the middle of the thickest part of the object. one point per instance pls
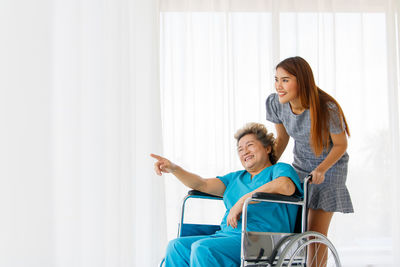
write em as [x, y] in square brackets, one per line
[286, 86]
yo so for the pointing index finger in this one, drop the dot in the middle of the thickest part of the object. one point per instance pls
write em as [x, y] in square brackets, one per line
[156, 156]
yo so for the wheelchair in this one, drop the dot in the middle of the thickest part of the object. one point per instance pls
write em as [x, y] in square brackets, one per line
[267, 249]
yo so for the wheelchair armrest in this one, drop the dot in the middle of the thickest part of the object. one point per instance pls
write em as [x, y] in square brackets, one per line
[278, 197]
[198, 193]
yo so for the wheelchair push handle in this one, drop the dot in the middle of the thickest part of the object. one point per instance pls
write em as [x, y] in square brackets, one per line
[308, 179]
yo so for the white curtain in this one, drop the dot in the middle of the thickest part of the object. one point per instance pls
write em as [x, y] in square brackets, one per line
[80, 114]
[217, 68]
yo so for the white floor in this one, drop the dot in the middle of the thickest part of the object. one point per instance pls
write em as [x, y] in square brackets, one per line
[367, 257]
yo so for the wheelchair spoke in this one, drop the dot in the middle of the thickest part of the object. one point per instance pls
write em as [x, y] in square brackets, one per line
[318, 259]
[315, 258]
[309, 249]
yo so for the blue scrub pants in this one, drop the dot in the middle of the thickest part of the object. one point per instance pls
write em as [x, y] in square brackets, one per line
[221, 249]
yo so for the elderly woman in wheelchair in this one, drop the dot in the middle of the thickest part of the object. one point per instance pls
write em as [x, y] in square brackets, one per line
[261, 175]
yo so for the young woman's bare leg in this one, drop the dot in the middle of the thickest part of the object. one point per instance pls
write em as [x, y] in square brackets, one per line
[318, 221]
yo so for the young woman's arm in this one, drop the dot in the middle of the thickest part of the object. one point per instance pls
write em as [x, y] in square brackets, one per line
[338, 149]
[281, 140]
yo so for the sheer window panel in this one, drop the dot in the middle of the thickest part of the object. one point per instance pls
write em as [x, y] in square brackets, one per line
[347, 52]
[208, 93]
[349, 56]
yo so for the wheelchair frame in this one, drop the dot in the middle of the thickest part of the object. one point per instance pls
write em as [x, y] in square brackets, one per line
[268, 248]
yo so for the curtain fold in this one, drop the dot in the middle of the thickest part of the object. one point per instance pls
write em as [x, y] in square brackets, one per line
[80, 104]
[393, 46]
[108, 203]
[25, 115]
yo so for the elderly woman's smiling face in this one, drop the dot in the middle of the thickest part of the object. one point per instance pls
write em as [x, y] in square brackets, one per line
[253, 155]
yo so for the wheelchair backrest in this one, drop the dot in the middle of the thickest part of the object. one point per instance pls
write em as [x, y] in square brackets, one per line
[300, 213]
[297, 226]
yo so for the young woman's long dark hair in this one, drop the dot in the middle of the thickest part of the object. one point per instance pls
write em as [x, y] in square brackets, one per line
[314, 99]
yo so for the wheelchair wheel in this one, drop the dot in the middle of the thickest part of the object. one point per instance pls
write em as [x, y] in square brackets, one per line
[299, 251]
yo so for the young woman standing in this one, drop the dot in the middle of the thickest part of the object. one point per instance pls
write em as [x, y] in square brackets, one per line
[318, 126]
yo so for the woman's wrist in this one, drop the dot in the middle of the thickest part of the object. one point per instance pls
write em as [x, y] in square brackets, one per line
[320, 169]
[174, 168]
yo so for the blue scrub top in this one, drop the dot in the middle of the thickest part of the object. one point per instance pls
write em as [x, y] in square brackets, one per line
[264, 216]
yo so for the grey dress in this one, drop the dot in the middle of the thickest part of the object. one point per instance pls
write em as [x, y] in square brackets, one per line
[332, 194]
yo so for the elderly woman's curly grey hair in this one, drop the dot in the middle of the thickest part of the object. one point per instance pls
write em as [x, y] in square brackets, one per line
[262, 135]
